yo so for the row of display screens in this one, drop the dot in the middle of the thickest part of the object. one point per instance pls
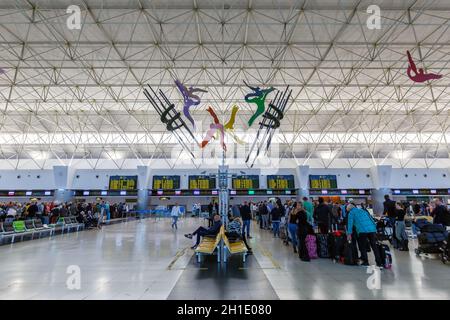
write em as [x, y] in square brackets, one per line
[206, 182]
[213, 192]
[202, 182]
[261, 192]
[24, 193]
[344, 192]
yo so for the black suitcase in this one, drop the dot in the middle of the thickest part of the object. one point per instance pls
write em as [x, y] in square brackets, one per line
[336, 241]
[385, 255]
[349, 254]
[322, 245]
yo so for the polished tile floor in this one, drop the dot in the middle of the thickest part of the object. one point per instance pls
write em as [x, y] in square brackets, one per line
[148, 260]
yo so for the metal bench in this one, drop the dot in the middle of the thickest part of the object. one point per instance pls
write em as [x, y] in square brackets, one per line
[20, 229]
[233, 248]
[7, 231]
[208, 246]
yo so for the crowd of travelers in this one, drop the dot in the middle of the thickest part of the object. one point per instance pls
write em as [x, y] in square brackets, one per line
[297, 222]
[49, 212]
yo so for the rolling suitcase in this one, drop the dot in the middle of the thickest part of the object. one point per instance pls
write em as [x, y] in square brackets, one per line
[349, 254]
[322, 245]
[385, 255]
[336, 241]
[311, 246]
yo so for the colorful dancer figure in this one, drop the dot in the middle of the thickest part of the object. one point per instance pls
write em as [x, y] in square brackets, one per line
[257, 97]
[214, 128]
[419, 76]
[229, 126]
[190, 99]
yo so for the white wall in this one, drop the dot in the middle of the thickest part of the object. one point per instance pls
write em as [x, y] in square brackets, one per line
[88, 178]
[348, 178]
[416, 179]
[28, 180]
[358, 178]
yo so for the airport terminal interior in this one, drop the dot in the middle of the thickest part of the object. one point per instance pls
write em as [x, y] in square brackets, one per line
[224, 150]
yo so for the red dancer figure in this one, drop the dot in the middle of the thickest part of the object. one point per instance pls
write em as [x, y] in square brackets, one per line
[213, 128]
[419, 76]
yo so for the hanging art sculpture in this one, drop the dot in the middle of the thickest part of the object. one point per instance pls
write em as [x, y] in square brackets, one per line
[171, 118]
[214, 128]
[229, 126]
[258, 97]
[271, 122]
[190, 99]
[177, 126]
[419, 75]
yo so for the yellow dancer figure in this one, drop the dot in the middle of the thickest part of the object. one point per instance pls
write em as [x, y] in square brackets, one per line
[229, 126]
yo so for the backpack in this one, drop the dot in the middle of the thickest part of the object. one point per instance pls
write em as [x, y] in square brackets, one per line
[311, 246]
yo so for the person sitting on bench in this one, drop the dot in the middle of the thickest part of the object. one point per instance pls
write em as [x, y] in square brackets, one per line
[234, 232]
[201, 231]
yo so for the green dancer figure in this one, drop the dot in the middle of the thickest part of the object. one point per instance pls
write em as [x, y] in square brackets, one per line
[257, 97]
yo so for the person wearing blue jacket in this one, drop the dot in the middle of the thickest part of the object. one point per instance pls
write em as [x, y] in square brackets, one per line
[366, 230]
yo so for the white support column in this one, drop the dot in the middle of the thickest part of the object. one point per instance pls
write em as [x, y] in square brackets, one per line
[302, 175]
[143, 200]
[63, 178]
[381, 178]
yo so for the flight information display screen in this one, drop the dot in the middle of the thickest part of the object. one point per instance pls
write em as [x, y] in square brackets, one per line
[246, 182]
[123, 182]
[202, 182]
[166, 182]
[322, 182]
[280, 182]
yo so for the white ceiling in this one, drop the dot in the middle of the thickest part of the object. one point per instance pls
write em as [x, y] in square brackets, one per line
[77, 94]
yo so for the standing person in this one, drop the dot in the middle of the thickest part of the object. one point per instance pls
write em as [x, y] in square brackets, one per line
[400, 228]
[389, 209]
[366, 230]
[210, 213]
[322, 214]
[264, 213]
[108, 210]
[292, 224]
[309, 209]
[303, 229]
[32, 210]
[440, 213]
[175, 213]
[336, 215]
[276, 214]
[235, 210]
[246, 216]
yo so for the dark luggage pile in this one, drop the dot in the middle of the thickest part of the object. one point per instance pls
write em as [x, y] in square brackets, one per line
[89, 220]
[336, 247]
[432, 237]
[385, 230]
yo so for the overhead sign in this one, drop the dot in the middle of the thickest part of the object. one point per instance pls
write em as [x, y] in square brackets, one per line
[280, 182]
[202, 182]
[123, 182]
[322, 182]
[246, 182]
[166, 182]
